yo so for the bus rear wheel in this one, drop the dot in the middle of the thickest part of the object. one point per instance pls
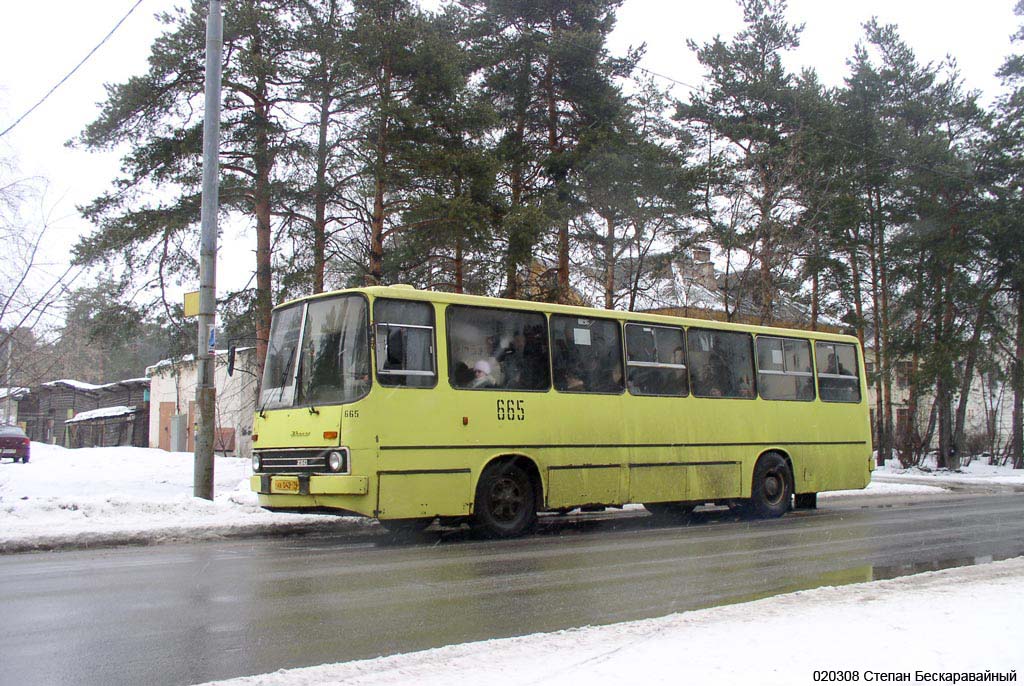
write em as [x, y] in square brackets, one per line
[771, 488]
[506, 501]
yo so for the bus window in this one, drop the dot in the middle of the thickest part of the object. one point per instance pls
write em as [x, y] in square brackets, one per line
[784, 369]
[721, 363]
[405, 343]
[655, 360]
[278, 387]
[501, 349]
[334, 366]
[837, 372]
[586, 355]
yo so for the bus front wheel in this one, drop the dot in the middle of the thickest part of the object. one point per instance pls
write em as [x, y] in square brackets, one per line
[506, 503]
[771, 488]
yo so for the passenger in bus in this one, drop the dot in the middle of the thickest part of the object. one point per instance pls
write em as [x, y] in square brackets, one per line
[482, 375]
[462, 375]
[714, 378]
[514, 366]
[675, 382]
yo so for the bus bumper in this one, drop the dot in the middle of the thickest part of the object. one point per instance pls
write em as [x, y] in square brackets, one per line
[313, 484]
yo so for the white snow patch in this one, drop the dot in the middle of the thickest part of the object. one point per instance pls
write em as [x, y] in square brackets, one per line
[93, 494]
[883, 626]
[883, 488]
[72, 383]
[978, 472]
[100, 412]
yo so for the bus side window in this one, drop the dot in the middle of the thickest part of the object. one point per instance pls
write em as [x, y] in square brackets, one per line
[586, 355]
[489, 348]
[721, 363]
[655, 360]
[838, 380]
[784, 369]
[405, 343]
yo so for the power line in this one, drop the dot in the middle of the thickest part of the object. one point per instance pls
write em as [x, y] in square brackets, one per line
[667, 78]
[71, 73]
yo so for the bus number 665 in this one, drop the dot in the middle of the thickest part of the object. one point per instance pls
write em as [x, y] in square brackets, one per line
[511, 410]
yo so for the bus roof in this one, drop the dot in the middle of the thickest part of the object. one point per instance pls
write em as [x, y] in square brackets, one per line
[407, 292]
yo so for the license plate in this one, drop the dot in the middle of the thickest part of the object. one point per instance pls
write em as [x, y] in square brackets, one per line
[284, 484]
[9, 451]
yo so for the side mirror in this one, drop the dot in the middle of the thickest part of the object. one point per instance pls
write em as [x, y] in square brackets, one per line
[231, 359]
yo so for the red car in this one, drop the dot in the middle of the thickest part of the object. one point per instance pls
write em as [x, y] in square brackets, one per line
[13, 443]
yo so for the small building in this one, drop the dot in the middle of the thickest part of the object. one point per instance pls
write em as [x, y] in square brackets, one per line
[10, 398]
[120, 418]
[46, 408]
[78, 414]
[172, 415]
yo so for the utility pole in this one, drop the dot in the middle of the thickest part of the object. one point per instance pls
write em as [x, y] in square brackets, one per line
[206, 390]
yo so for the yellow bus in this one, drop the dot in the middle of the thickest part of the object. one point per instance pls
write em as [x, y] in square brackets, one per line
[409, 405]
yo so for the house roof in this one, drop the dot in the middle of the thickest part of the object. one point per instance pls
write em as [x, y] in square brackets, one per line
[15, 392]
[101, 413]
[91, 388]
[185, 359]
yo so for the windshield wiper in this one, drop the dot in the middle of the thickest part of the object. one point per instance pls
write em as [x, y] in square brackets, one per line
[280, 383]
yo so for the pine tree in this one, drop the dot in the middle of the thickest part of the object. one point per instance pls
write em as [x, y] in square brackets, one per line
[146, 222]
[749, 110]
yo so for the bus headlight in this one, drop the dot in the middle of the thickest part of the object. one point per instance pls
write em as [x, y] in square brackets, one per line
[335, 461]
[255, 463]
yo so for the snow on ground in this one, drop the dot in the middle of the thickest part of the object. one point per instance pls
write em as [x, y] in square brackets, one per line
[102, 496]
[107, 496]
[978, 472]
[961, 620]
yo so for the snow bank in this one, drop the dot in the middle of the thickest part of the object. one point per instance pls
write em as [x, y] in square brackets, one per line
[93, 496]
[976, 473]
[968, 619]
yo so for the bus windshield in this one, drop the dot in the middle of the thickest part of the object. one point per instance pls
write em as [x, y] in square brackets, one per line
[332, 364]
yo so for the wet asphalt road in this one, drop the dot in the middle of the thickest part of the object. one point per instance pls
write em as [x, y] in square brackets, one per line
[182, 614]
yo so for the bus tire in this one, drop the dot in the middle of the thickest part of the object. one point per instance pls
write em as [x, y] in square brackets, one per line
[676, 512]
[506, 501]
[771, 488]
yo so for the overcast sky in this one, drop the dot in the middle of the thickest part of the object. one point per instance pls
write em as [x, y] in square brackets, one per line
[41, 41]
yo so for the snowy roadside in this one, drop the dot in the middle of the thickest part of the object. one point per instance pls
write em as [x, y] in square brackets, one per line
[94, 497]
[964, 620]
[977, 473]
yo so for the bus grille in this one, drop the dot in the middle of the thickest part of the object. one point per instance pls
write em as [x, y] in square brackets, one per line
[293, 461]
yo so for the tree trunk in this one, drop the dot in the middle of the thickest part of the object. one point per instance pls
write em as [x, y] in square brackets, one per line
[263, 163]
[562, 265]
[960, 419]
[883, 438]
[320, 191]
[1017, 427]
[609, 263]
[886, 337]
[815, 278]
[515, 239]
[459, 266]
[375, 275]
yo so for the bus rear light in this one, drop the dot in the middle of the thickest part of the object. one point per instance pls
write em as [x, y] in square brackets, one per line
[255, 437]
[330, 435]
